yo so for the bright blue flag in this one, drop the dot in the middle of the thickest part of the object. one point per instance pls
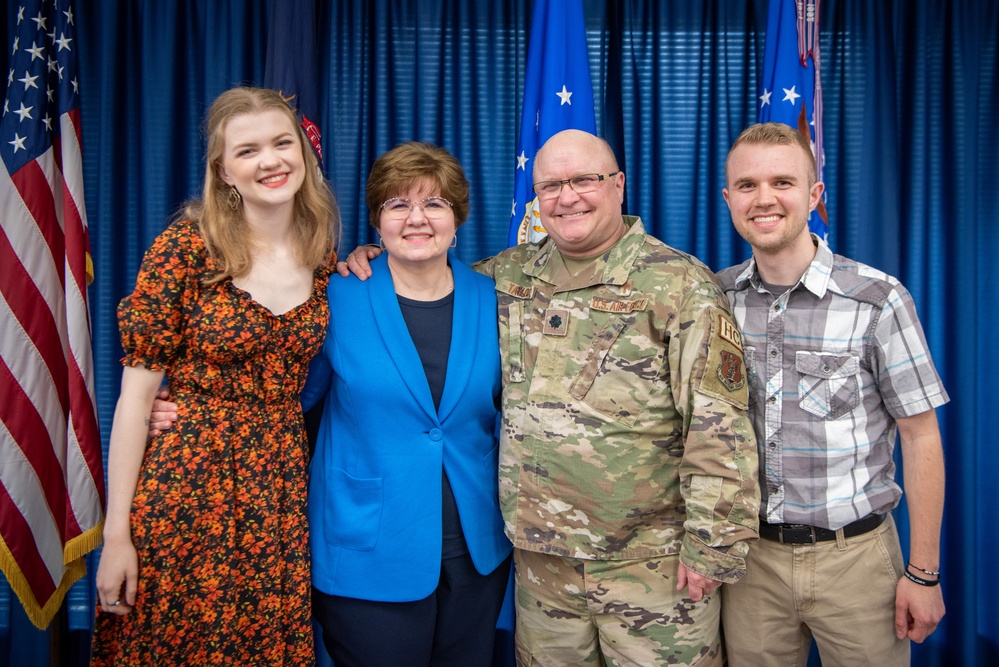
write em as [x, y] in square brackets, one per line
[790, 88]
[292, 61]
[558, 95]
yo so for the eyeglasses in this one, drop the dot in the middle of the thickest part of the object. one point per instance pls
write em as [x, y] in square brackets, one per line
[580, 185]
[399, 208]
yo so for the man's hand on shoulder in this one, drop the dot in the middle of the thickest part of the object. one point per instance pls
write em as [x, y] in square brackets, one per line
[359, 262]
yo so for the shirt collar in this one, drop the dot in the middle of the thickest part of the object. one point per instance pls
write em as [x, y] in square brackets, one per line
[815, 279]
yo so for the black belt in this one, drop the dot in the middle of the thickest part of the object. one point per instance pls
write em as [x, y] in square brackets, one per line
[799, 533]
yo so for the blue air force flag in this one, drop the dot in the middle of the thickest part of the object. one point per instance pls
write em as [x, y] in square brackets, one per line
[558, 95]
[790, 88]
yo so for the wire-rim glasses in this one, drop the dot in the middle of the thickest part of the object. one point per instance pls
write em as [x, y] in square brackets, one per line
[399, 208]
[581, 184]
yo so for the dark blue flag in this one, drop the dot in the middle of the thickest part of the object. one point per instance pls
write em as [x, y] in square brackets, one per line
[558, 95]
[790, 88]
[292, 69]
[291, 66]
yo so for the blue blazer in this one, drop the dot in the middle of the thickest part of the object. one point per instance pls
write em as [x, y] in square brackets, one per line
[375, 483]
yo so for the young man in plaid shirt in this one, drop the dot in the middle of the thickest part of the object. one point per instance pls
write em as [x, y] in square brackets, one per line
[837, 363]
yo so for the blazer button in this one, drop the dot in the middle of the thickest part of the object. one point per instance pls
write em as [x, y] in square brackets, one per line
[436, 434]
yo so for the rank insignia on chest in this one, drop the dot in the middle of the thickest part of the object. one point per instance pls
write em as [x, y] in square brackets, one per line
[730, 371]
[556, 322]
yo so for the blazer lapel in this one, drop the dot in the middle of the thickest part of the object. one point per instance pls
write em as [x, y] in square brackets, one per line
[464, 337]
[394, 332]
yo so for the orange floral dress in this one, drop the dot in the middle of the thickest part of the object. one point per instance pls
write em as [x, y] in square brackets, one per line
[218, 518]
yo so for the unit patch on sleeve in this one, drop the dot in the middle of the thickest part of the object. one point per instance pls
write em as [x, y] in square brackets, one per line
[730, 371]
[725, 367]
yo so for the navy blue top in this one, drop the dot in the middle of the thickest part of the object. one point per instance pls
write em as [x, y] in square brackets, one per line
[429, 324]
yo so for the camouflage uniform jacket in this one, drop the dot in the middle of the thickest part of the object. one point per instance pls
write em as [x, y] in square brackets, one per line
[625, 433]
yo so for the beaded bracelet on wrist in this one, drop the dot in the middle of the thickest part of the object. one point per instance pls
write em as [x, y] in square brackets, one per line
[926, 572]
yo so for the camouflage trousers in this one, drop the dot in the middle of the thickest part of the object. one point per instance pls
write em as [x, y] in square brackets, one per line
[599, 612]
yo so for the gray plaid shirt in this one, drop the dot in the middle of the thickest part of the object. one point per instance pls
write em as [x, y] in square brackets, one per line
[832, 363]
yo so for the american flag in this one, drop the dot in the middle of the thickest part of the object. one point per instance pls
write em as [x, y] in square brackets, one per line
[558, 95]
[51, 472]
[791, 85]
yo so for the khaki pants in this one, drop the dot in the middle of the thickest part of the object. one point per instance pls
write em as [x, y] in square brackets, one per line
[590, 612]
[842, 592]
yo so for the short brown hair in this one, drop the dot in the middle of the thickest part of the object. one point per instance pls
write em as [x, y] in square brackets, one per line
[776, 134]
[316, 218]
[410, 163]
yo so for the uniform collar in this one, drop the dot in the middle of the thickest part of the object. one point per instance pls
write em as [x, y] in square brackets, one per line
[611, 268]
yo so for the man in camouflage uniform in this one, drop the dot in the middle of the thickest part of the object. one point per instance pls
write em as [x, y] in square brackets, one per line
[627, 462]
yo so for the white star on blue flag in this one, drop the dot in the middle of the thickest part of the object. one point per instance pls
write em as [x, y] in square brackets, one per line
[789, 65]
[558, 95]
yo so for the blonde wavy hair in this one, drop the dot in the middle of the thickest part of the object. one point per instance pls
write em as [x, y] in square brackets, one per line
[315, 217]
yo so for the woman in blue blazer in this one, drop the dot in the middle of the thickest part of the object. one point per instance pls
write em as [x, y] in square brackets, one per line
[409, 559]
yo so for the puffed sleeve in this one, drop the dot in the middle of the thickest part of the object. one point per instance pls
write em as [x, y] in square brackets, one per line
[151, 319]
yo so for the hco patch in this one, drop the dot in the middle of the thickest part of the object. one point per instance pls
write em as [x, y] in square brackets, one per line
[730, 371]
[556, 322]
[728, 331]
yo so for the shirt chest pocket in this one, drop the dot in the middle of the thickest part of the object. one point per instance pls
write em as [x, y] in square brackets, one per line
[828, 382]
[513, 303]
[619, 372]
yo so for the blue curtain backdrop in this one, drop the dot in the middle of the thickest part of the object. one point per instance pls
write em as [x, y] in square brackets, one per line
[912, 143]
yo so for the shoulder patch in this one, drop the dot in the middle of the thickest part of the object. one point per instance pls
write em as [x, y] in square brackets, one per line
[728, 331]
[730, 370]
[725, 368]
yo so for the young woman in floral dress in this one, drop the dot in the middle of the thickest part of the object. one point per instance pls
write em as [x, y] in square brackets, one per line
[205, 557]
